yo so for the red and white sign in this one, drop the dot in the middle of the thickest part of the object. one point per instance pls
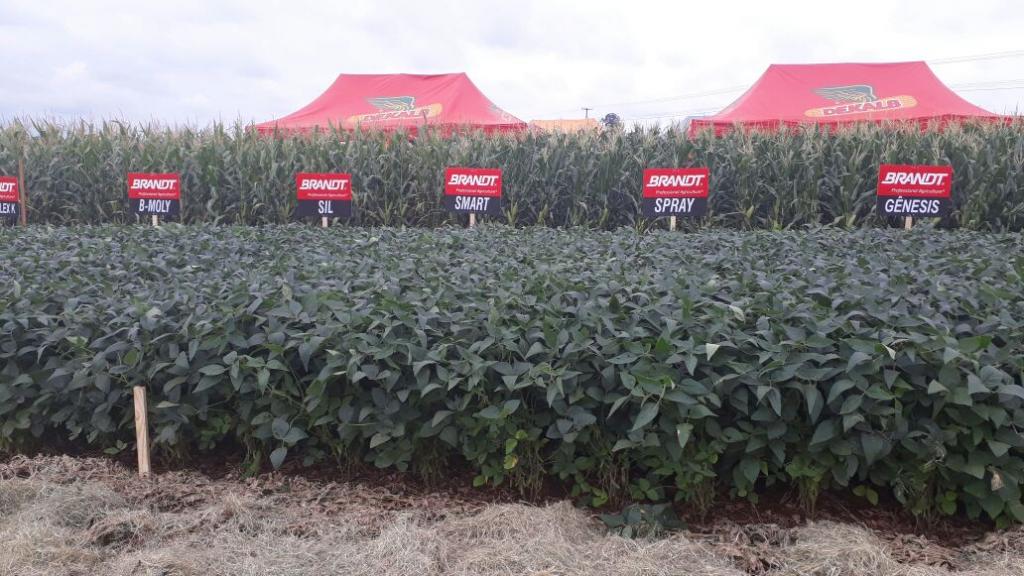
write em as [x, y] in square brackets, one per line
[9, 189]
[472, 190]
[473, 182]
[675, 192]
[676, 183]
[914, 190]
[323, 186]
[915, 180]
[151, 186]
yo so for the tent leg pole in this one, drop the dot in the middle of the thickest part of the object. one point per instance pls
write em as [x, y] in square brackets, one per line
[472, 219]
[908, 222]
[324, 222]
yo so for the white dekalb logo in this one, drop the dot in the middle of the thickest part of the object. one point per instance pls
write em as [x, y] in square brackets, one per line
[6, 186]
[677, 181]
[328, 184]
[475, 180]
[154, 184]
[915, 178]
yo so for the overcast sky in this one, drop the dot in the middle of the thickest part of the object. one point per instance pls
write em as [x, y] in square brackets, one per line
[196, 61]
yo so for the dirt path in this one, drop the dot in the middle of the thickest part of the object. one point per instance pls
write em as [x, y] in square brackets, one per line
[86, 516]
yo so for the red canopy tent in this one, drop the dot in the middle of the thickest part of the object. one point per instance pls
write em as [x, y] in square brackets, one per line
[836, 94]
[398, 101]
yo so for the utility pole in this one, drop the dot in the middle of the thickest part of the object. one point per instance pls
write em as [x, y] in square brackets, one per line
[586, 112]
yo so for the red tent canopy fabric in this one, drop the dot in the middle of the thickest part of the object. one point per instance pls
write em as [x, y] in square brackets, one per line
[835, 94]
[398, 102]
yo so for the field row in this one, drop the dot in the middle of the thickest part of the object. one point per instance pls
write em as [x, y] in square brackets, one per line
[232, 175]
[659, 366]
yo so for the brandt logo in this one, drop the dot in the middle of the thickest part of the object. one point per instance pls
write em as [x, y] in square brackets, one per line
[677, 181]
[153, 184]
[916, 178]
[477, 180]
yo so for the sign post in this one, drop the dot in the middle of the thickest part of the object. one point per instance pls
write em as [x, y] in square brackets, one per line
[675, 192]
[911, 190]
[472, 191]
[23, 192]
[154, 194]
[326, 195]
[10, 200]
[141, 430]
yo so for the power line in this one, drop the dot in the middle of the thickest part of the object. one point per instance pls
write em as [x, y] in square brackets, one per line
[986, 83]
[688, 96]
[1021, 87]
[994, 85]
[679, 114]
[678, 97]
[731, 89]
[976, 57]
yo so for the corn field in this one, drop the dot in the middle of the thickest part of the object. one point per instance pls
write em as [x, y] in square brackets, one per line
[75, 174]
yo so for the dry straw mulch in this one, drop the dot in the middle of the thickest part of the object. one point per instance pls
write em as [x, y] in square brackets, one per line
[82, 516]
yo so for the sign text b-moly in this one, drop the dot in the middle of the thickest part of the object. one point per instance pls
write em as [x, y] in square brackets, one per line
[10, 200]
[914, 190]
[675, 192]
[324, 194]
[154, 194]
[473, 190]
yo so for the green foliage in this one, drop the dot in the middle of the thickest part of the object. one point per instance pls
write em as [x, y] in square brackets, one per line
[232, 175]
[631, 367]
[643, 521]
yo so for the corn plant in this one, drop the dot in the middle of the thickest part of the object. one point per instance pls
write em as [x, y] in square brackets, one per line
[75, 173]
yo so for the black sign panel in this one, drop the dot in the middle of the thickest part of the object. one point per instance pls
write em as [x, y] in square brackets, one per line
[155, 206]
[476, 204]
[9, 212]
[327, 208]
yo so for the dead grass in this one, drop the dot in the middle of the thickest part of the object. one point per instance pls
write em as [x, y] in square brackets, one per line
[66, 516]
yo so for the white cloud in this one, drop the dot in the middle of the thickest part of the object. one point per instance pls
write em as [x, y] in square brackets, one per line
[197, 61]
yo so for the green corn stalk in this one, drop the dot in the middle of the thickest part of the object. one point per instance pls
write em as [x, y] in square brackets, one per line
[75, 173]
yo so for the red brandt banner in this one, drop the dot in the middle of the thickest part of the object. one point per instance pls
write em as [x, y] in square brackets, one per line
[473, 190]
[10, 200]
[914, 190]
[675, 192]
[323, 194]
[155, 194]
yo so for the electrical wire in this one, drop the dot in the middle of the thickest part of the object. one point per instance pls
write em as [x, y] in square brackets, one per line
[968, 87]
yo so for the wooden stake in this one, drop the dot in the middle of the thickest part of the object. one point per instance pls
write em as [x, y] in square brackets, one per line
[324, 223]
[156, 220]
[472, 219]
[23, 192]
[141, 430]
[908, 222]
[672, 223]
